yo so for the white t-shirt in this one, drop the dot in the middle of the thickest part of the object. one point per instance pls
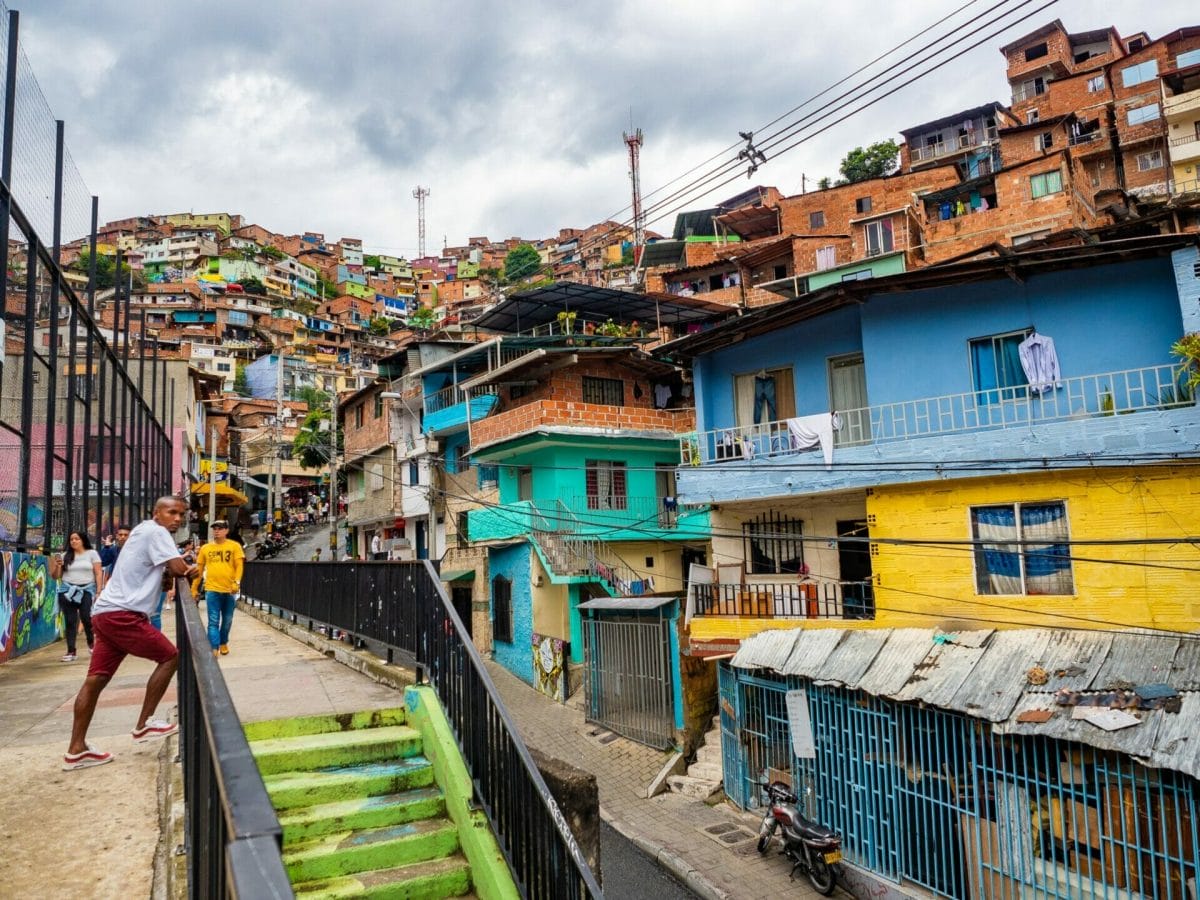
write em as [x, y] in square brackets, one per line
[137, 576]
[80, 570]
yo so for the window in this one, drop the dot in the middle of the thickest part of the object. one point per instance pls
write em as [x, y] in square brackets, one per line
[816, 219]
[1148, 161]
[860, 275]
[996, 371]
[501, 609]
[454, 460]
[826, 258]
[879, 237]
[768, 395]
[1140, 73]
[1095, 84]
[1037, 51]
[1043, 141]
[378, 410]
[1023, 548]
[414, 472]
[1190, 58]
[1045, 184]
[461, 537]
[1140, 114]
[488, 476]
[85, 386]
[223, 367]
[358, 416]
[604, 482]
[780, 272]
[773, 545]
[862, 205]
[1031, 116]
[604, 391]
[525, 483]
[1136, 44]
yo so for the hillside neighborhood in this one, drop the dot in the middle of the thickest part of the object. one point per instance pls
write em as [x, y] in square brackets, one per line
[918, 446]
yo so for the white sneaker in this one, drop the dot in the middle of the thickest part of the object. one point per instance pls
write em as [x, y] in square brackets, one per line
[68, 657]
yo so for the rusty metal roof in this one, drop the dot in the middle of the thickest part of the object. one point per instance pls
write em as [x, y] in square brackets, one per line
[983, 674]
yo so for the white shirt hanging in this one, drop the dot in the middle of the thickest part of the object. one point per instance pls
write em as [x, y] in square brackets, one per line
[1040, 362]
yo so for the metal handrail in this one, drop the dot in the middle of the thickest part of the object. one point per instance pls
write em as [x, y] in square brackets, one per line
[594, 512]
[1184, 139]
[404, 606]
[1086, 396]
[799, 599]
[962, 142]
[453, 395]
[232, 835]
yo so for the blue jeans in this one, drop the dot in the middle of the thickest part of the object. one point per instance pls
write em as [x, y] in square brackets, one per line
[220, 616]
[764, 392]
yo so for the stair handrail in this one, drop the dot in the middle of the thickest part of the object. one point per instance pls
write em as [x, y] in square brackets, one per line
[404, 606]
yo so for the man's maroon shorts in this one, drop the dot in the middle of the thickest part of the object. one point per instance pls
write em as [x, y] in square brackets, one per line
[119, 634]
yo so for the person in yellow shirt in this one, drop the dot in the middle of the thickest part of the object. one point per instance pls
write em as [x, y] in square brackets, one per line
[220, 564]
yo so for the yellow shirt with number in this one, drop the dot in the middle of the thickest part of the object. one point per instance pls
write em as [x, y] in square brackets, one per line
[221, 566]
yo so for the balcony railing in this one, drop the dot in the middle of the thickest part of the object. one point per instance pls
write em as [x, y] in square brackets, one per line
[1028, 93]
[1185, 187]
[1088, 396]
[1185, 139]
[592, 512]
[1089, 137]
[791, 600]
[975, 138]
[450, 396]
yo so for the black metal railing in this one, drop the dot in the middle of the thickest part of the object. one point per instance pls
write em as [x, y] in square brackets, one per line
[403, 606]
[233, 837]
[787, 600]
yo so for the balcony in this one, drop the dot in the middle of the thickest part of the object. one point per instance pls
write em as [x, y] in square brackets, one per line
[1185, 147]
[1084, 397]
[1185, 188]
[1028, 93]
[1181, 104]
[452, 408]
[977, 138]
[590, 418]
[623, 518]
[1087, 140]
[787, 600]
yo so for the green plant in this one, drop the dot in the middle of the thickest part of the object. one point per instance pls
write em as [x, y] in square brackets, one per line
[1187, 348]
[1107, 406]
[566, 319]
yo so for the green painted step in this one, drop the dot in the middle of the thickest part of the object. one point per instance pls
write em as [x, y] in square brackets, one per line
[361, 812]
[317, 751]
[448, 877]
[281, 728]
[349, 852]
[290, 790]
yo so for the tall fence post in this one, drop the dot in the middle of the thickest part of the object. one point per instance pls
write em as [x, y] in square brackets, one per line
[89, 379]
[6, 155]
[26, 461]
[51, 429]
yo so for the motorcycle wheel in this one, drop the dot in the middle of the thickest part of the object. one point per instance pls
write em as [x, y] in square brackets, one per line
[820, 873]
[764, 841]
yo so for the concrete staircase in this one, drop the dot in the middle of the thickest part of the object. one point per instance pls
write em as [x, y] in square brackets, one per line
[705, 775]
[361, 813]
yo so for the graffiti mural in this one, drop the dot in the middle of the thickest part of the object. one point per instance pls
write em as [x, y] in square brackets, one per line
[549, 667]
[29, 616]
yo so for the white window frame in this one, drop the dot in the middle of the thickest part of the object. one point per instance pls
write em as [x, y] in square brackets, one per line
[1095, 84]
[1144, 71]
[1043, 141]
[1152, 159]
[1152, 113]
[1031, 116]
[1046, 176]
[877, 225]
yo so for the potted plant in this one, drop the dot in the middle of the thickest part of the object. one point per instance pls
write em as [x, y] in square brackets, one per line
[566, 321]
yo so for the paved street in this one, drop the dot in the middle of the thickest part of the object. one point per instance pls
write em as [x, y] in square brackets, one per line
[629, 874]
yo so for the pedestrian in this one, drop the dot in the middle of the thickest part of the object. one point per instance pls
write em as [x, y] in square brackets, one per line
[110, 552]
[220, 564]
[377, 551]
[79, 576]
[121, 622]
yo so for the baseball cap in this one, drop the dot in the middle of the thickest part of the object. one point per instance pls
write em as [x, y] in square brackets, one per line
[220, 523]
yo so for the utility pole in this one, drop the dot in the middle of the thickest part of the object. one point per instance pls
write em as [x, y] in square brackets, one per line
[278, 440]
[634, 143]
[212, 482]
[420, 193]
[333, 475]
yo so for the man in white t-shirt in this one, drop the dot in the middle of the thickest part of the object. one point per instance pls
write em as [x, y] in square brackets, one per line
[121, 622]
[377, 547]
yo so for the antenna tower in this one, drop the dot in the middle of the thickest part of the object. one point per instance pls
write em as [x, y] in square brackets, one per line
[420, 193]
[634, 142]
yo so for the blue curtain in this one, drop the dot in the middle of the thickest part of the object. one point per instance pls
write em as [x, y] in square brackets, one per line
[997, 523]
[1044, 520]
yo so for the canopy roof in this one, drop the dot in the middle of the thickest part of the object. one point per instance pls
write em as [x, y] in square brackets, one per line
[226, 495]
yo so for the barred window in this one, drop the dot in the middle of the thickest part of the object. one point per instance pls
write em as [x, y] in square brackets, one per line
[605, 391]
[773, 545]
[501, 609]
[461, 529]
[604, 483]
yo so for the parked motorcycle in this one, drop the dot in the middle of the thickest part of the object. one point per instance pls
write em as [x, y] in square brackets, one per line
[271, 545]
[811, 847]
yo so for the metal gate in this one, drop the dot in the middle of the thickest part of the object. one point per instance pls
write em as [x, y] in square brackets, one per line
[628, 686]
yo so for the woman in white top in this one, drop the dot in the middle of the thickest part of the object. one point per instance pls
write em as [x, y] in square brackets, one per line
[79, 581]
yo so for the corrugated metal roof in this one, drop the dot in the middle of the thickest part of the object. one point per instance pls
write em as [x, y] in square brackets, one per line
[850, 660]
[768, 649]
[984, 674]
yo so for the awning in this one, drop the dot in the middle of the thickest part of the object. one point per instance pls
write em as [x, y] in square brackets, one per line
[226, 496]
[458, 575]
[618, 604]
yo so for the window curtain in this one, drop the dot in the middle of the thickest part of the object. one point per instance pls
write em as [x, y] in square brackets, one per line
[1047, 565]
[997, 561]
[604, 486]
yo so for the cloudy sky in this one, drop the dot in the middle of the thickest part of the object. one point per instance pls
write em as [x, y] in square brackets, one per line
[325, 116]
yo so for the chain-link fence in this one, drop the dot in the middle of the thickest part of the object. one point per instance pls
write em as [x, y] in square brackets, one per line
[82, 444]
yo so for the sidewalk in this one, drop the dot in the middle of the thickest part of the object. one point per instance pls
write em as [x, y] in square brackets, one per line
[94, 832]
[669, 827]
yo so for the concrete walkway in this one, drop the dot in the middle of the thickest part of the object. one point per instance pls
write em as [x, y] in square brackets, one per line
[669, 827]
[94, 832]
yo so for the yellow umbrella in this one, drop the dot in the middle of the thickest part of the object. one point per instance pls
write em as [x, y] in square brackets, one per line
[226, 496]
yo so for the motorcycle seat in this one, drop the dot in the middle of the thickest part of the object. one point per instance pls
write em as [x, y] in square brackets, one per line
[814, 832]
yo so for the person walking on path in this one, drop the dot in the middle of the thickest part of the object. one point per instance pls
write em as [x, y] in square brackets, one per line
[377, 547]
[79, 577]
[220, 564]
[121, 622]
[110, 553]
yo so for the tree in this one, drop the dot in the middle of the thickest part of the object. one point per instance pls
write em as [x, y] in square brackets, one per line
[422, 319]
[315, 399]
[105, 274]
[253, 285]
[379, 326]
[273, 252]
[241, 387]
[310, 447]
[371, 261]
[521, 261]
[875, 161]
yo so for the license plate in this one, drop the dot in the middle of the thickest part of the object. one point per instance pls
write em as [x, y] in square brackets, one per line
[833, 857]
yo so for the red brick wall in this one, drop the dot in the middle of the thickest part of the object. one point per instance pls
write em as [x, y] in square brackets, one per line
[374, 430]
